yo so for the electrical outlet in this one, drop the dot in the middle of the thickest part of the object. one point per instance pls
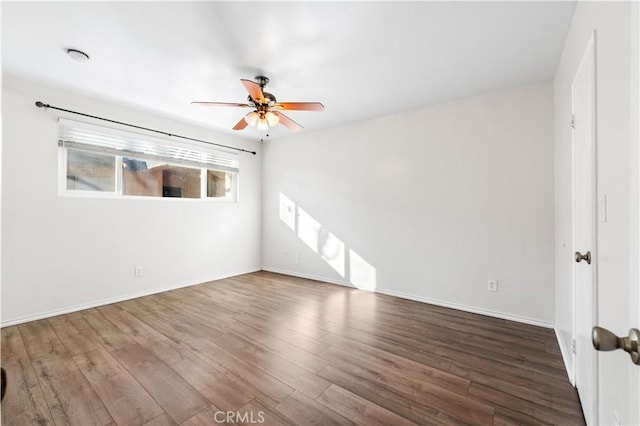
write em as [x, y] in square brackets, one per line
[137, 272]
[492, 285]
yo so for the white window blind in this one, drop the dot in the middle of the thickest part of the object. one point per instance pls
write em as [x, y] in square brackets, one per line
[90, 137]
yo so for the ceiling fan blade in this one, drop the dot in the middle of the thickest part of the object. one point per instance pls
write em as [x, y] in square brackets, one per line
[240, 125]
[300, 106]
[223, 104]
[254, 89]
[287, 122]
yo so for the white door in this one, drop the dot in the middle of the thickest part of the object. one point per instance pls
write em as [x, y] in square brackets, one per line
[584, 207]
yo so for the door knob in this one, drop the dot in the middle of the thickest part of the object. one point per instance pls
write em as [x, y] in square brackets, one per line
[586, 256]
[604, 340]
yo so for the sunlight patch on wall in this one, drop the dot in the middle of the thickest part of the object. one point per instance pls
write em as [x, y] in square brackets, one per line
[363, 275]
[288, 212]
[308, 229]
[331, 249]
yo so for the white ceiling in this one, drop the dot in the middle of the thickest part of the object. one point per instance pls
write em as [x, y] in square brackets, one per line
[361, 59]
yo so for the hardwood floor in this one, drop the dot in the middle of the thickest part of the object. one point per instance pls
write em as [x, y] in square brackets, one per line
[272, 349]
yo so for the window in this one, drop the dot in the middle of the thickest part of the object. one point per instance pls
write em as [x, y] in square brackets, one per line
[89, 171]
[98, 160]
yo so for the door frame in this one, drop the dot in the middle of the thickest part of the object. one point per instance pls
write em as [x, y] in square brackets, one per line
[591, 45]
[635, 192]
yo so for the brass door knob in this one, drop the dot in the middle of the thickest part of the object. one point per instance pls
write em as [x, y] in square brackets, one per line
[586, 257]
[604, 340]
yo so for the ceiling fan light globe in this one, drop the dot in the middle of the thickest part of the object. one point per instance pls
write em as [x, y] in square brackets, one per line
[251, 118]
[262, 124]
[272, 119]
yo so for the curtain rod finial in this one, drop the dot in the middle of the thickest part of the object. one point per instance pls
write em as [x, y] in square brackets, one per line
[41, 105]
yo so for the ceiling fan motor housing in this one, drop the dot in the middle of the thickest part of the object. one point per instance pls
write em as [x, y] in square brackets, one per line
[269, 100]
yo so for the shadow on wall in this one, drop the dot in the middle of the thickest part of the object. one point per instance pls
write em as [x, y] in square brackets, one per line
[346, 262]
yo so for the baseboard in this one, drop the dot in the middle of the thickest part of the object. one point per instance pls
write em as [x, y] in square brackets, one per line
[566, 356]
[109, 301]
[309, 277]
[452, 305]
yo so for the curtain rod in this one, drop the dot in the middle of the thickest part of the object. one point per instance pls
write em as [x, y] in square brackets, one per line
[45, 106]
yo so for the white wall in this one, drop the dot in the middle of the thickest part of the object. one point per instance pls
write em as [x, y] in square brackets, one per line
[63, 253]
[614, 82]
[427, 204]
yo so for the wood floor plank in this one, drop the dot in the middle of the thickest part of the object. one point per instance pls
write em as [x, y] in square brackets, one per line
[473, 331]
[127, 401]
[537, 411]
[174, 331]
[208, 417]
[178, 399]
[298, 356]
[212, 383]
[110, 336]
[389, 399]
[255, 381]
[455, 340]
[132, 326]
[178, 326]
[12, 345]
[162, 420]
[304, 410]
[426, 393]
[464, 363]
[279, 367]
[76, 335]
[293, 337]
[447, 331]
[40, 340]
[358, 409]
[375, 359]
[565, 402]
[186, 318]
[178, 304]
[24, 403]
[257, 412]
[497, 359]
[69, 395]
[422, 354]
[505, 417]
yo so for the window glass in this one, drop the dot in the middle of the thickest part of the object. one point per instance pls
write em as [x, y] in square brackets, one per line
[219, 184]
[159, 179]
[90, 171]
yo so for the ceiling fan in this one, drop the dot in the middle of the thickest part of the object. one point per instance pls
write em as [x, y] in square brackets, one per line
[267, 109]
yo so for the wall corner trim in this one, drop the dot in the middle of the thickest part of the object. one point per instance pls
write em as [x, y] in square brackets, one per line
[566, 356]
